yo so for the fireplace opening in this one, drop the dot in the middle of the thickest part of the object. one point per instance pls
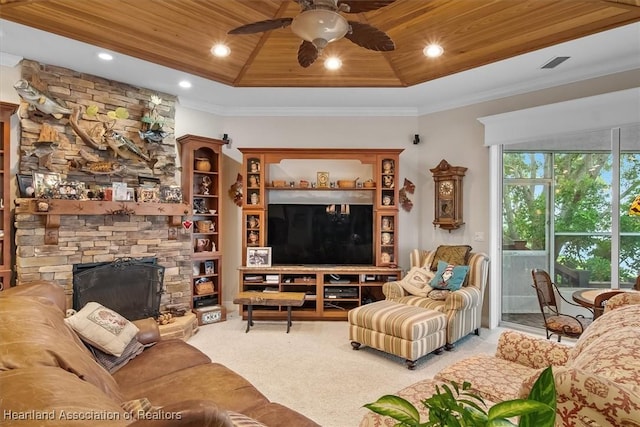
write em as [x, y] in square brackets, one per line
[130, 286]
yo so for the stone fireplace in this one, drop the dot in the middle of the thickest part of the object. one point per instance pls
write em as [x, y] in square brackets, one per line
[85, 238]
[70, 232]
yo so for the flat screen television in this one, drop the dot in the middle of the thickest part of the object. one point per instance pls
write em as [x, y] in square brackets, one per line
[308, 234]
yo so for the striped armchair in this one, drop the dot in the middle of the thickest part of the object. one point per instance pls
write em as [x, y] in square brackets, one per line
[463, 307]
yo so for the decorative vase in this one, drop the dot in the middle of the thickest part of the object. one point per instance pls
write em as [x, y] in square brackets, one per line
[203, 164]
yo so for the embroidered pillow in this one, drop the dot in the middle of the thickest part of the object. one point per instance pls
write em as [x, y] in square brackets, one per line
[451, 254]
[439, 294]
[416, 282]
[449, 276]
[103, 328]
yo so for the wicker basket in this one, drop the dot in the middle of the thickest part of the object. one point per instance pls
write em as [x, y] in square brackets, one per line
[203, 226]
[346, 183]
[203, 288]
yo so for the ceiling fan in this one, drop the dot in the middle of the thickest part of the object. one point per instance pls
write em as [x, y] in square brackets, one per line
[320, 23]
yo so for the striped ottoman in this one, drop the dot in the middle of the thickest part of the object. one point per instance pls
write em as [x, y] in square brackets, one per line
[403, 330]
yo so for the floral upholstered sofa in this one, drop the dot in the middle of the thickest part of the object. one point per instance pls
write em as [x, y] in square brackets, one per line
[597, 380]
[463, 307]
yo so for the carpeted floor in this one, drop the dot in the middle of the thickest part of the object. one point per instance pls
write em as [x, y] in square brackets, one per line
[314, 370]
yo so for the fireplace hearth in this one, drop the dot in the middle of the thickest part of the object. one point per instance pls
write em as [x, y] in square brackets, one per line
[132, 287]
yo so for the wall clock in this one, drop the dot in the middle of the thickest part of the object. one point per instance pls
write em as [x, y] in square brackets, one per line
[448, 195]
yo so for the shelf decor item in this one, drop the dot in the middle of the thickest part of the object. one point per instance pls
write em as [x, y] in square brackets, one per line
[45, 184]
[203, 164]
[25, 185]
[209, 267]
[203, 287]
[322, 180]
[171, 194]
[259, 257]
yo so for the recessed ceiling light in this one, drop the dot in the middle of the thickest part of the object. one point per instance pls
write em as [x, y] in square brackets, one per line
[220, 50]
[433, 50]
[332, 63]
[184, 84]
[105, 56]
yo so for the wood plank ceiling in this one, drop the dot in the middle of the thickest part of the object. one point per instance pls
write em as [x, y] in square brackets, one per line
[180, 33]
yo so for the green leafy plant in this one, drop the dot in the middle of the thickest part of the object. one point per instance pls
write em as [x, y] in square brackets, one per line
[457, 406]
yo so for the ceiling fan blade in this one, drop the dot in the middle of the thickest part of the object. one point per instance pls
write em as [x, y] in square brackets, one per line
[358, 6]
[307, 54]
[260, 26]
[369, 37]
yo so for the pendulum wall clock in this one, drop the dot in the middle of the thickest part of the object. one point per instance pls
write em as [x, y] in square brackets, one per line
[448, 195]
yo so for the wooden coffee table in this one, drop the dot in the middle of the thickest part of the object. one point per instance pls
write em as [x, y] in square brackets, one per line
[284, 299]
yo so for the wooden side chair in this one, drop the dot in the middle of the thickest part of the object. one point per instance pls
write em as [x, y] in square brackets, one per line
[600, 302]
[556, 323]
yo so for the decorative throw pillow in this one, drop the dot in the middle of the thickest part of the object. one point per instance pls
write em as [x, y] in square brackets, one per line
[449, 276]
[138, 408]
[451, 254]
[416, 282]
[439, 294]
[103, 328]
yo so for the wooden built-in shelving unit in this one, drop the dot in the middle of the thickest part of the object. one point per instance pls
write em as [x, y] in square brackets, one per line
[362, 283]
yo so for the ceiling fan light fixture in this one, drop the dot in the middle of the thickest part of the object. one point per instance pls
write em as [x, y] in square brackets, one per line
[220, 50]
[320, 26]
[433, 50]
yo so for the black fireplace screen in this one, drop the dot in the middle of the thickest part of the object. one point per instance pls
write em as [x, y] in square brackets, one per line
[131, 287]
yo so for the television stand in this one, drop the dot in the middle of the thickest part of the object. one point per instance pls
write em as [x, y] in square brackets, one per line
[325, 297]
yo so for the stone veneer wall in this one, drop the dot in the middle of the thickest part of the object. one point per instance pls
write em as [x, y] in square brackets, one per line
[100, 238]
[97, 238]
[78, 90]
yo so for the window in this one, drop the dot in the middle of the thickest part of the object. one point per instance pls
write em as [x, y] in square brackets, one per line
[558, 210]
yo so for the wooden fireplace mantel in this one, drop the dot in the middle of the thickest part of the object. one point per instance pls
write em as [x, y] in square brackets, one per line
[58, 207]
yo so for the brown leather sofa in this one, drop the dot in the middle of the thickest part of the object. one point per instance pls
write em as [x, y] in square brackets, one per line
[48, 377]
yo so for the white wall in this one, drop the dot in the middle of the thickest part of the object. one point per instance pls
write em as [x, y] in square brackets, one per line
[454, 135]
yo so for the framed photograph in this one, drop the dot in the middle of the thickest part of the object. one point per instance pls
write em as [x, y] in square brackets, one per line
[322, 180]
[259, 257]
[209, 267]
[171, 194]
[45, 184]
[131, 194]
[148, 195]
[71, 190]
[25, 185]
[119, 191]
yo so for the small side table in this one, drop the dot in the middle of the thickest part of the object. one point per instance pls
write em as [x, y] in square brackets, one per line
[283, 299]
